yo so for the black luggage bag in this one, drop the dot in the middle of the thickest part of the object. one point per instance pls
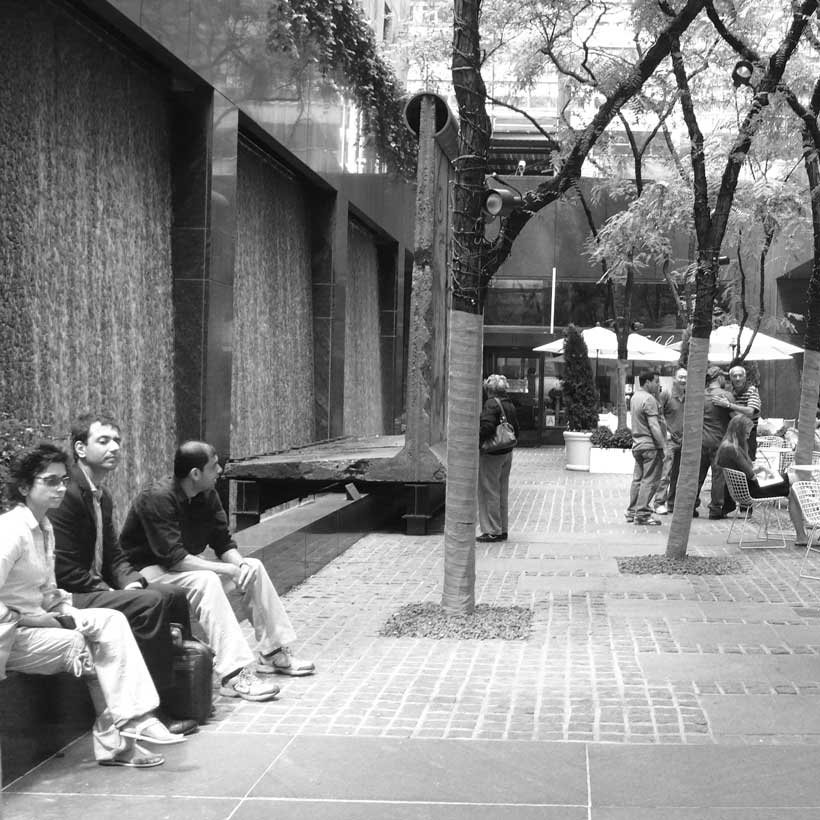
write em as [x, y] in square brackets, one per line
[191, 695]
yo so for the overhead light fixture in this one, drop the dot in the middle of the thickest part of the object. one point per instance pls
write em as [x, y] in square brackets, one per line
[742, 73]
[500, 201]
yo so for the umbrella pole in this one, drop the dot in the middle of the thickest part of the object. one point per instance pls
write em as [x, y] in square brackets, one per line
[597, 389]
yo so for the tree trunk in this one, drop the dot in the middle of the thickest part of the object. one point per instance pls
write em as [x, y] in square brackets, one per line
[466, 320]
[463, 411]
[808, 406]
[620, 401]
[811, 358]
[686, 493]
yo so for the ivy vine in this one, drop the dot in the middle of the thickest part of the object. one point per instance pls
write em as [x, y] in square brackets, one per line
[336, 35]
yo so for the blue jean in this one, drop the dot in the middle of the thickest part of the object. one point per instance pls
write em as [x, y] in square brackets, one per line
[665, 493]
[645, 479]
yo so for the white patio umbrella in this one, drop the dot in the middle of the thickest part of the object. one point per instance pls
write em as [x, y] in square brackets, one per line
[723, 345]
[602, 343]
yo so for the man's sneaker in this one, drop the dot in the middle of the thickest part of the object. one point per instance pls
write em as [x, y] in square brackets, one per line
[283, 662]
[249, 686]
[629, 518]
[661, 509]
[648, 522]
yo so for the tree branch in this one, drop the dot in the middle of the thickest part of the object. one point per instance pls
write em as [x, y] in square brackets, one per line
[744, 50]
[625, 89]
[701, 187]
[740, 149]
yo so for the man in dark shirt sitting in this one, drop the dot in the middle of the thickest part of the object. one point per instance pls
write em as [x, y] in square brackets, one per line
[167, 529]
[90, 564]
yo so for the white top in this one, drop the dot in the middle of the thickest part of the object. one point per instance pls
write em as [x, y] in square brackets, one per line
[27, 583]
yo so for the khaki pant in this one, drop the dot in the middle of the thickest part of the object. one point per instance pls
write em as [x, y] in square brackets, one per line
[219, 606]
[103, 650]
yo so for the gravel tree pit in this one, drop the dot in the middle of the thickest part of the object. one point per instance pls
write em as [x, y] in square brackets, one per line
[429, 620]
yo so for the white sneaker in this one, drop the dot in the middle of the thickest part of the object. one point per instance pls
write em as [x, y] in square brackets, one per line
[661, 510]
[283, 662]
[249, 686]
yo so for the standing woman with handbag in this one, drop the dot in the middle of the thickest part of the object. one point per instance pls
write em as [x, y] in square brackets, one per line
[498, 435]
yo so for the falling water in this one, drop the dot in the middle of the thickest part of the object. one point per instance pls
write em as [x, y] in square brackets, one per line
[272, 395]
[86, 310]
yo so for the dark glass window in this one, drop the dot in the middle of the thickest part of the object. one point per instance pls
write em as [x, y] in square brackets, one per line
[528, 302]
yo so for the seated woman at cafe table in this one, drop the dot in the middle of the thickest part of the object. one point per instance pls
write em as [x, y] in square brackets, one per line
[733, 453]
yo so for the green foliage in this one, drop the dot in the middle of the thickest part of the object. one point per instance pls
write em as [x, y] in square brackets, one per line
[15, 436]
[580, 395]
[335, 35]
[604, 438]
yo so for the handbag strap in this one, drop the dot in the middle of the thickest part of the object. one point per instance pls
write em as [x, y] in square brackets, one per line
[503, 418]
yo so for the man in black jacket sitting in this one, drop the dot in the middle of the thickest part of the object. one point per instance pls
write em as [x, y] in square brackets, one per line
[91, 565]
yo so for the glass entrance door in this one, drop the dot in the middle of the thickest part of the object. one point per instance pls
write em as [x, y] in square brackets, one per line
[525, 376]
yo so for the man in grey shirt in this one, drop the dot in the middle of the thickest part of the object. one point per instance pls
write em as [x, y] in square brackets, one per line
[648, 442]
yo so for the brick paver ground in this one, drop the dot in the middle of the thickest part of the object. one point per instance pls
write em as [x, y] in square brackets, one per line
[580, 674]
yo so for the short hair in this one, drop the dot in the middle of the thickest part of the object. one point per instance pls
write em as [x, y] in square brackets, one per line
[737, 367]
[28, 464]
[192, 455]
[496, 384]
[646, 376]
[81, 427]
[678, 370]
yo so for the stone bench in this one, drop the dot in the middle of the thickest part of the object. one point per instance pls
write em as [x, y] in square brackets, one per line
[39, 714]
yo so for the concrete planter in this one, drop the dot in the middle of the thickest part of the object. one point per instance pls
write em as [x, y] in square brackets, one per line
[611, 460]
[577, 450]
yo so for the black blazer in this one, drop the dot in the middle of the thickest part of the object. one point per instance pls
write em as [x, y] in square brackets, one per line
[75, 532]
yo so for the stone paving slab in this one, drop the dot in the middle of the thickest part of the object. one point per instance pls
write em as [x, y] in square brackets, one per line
[732, 715]
[738, 612]
[714, 776]
[774, 669]
[123, 806]
[703, 813]
[723, 634]
[596, 548]
[448, 771]
[667, 585]
[549, 566]
[375, 810]
[206, 765]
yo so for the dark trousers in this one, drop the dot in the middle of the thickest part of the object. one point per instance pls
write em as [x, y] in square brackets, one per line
[707, 460]
[149, 612]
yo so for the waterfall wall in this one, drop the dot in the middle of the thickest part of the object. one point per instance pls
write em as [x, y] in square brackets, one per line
[85, 215]
[363, 365]
[272, 405]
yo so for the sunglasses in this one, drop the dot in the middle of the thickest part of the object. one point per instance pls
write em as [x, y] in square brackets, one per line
[52, 480]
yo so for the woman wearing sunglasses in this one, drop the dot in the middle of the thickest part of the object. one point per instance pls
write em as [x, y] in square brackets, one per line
[42, 634]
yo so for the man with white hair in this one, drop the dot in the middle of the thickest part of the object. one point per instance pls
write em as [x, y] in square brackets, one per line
[747, 402]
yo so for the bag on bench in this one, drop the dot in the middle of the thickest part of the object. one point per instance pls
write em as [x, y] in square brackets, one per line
[191, 695]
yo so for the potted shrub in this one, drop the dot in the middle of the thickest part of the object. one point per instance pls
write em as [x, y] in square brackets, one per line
[611, 452]
[580, 400]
